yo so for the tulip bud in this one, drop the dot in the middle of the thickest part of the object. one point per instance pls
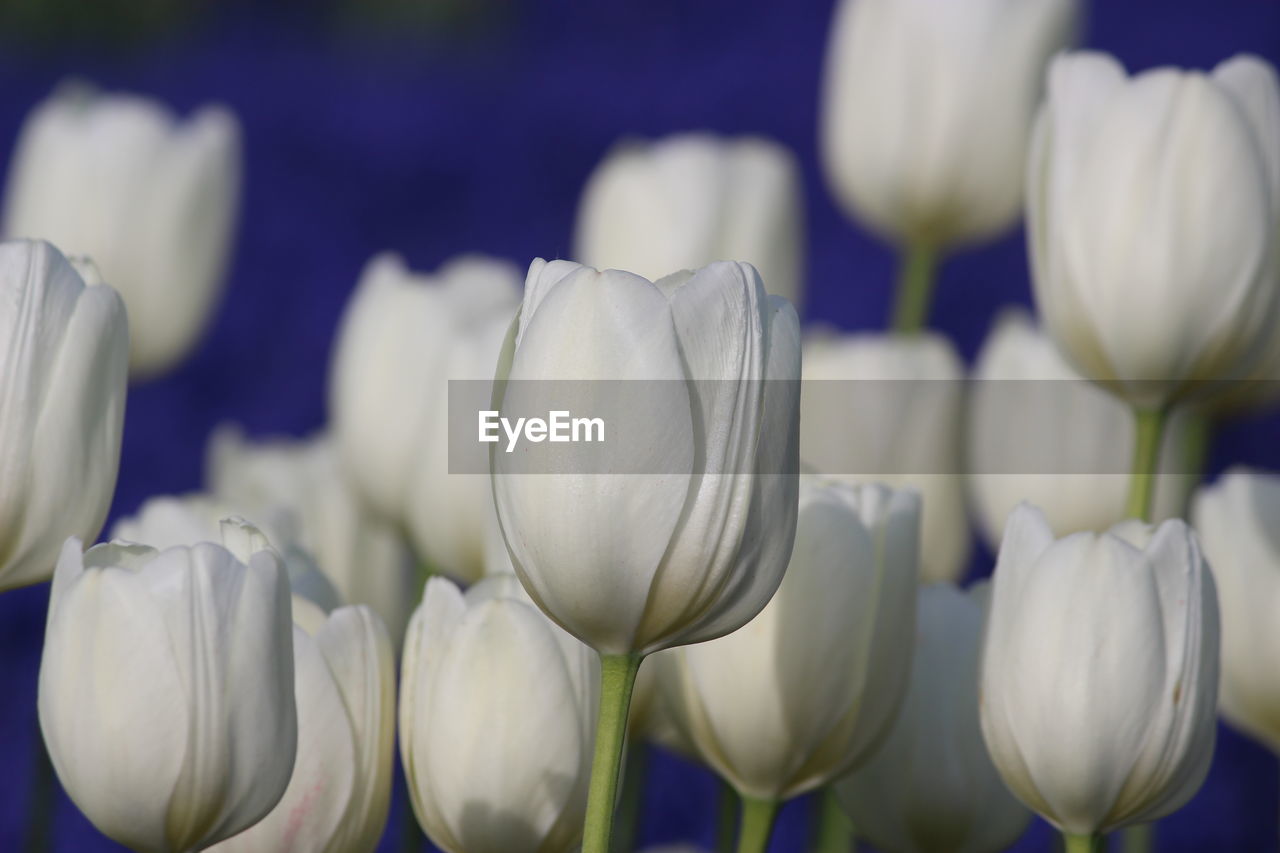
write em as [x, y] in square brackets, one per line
[693, 198]
[63, 365]
[403, 337]
[1040, 432]
[1100, 671]
[497, 715]
[928, 109]
[299, 487]
[931, 787]
[889, 408]
[1154, 221]
[802, 693]
[682, 533]
[150, 198]
[1237, 519]
[340, 791]
[166, 690]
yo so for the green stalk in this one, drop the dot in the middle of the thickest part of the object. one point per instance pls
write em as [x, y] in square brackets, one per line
[1137, 838]
[617, 680]
[1150, 425]
[917, 275]
[38, 837]
[757, 824]
[1081, 843]
[633, 779]
[726, 817]
[834, 828]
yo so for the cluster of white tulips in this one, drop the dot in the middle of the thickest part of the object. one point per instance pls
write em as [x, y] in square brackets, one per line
[765, 579]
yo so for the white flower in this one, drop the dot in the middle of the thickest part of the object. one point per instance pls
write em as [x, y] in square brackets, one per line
[150, 198]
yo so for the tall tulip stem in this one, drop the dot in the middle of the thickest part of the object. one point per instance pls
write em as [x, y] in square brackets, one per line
[916, 277]
[617, 680]
[834, 828]
[1081, 843]
[726, 817]
[1150, 425]
[757, 824]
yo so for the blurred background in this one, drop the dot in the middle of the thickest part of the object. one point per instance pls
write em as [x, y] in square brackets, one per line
[444, 126]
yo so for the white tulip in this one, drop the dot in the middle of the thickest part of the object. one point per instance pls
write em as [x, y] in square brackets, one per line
[152, 199]
[166, 690]
[928, 108]
[802, 693]
[403, 337]
[931, 787]
[686, 200]
[497, 715]
[1039, 432]
[340, 791]
[1237, 519]
[890, 409]
[687, 538]
[62, 394]
[1100, 671]
[1154, 221]
[298, 486]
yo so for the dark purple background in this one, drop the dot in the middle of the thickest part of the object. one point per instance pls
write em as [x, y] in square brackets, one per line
[479, 139]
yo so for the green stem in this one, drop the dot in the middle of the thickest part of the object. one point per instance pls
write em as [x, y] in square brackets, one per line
[1146, 456]
[1137, 838]
[617, 679]
[835, 829]
[726, 817]
[757, 824]
[633, 778]
[916, 277]
[44, 795]
[1080, 843]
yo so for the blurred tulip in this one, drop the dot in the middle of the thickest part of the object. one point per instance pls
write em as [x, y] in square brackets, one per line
[889, 408]
[1238, 519]
[166, 690]
[692, 198]
[340, 791]
[930, 787]
[1100, 671]
[497, 713]
[1040, 432]
[62, 375]
[802, 693]
[1154, 221]
[690, 540]
[150, 198]
[298, 486]
[927, 111]
[403, 337]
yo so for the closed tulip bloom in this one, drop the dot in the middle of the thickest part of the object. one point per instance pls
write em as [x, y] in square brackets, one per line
[1100, 671]
[1237, 519]
[1039, 431]
[930, 787]
[340, 791]
[166, 690]
[403, 337]
[802, 693]
[691, 539]
[151, 198]
[890, 409]
[928, 108]
[497, 712]
[686, 200]
[1154, 221]
[62, 391]
[299, 487]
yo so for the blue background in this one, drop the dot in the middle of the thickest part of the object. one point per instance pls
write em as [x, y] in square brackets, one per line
[476, 134]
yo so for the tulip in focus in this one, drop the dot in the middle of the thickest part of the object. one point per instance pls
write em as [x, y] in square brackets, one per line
[63, 371]
[1238, 519]
[404, 335]
[930, 786]
[497, 713]
[803, 693]
[166, 690]
[151, 198]
[888, 408]
[1100, 671]
[692, 198]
